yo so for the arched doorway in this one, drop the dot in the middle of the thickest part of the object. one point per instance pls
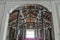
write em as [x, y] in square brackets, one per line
[30, 22]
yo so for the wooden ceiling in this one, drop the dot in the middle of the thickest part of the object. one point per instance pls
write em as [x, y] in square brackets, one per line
[30, 14]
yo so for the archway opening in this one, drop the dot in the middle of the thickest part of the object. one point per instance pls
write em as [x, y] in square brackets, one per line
[30, 22]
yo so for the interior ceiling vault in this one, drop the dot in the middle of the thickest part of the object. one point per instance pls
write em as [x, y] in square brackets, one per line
[29, 13]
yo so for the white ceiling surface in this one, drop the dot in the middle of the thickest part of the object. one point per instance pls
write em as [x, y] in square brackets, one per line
[3, 1]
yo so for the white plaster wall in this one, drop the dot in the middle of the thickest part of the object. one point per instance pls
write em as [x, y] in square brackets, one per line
[8, 5]
[58, 13]
[2, 5]
[55, 20]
